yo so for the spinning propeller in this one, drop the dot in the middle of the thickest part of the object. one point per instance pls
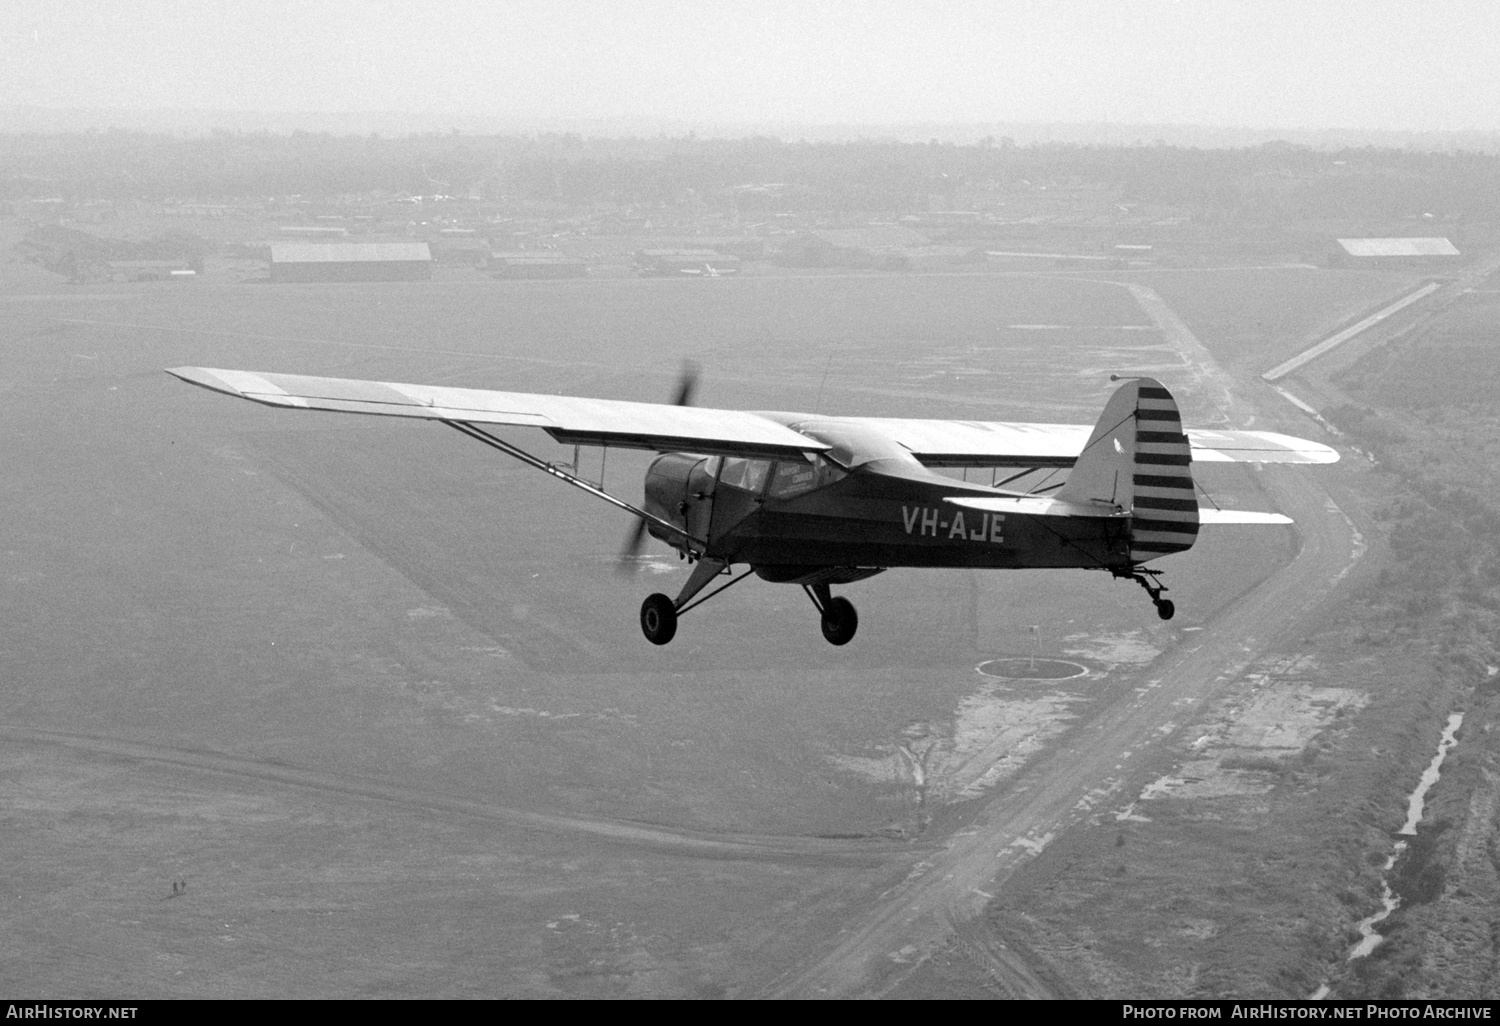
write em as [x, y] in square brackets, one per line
[687, 384]
[687, 388]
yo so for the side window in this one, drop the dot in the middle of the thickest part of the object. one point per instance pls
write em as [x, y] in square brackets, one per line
[733, 472]
[828, 472]
[749, 475]
[792, 479]
[756, 472]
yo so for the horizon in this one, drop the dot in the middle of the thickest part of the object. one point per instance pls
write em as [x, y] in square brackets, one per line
[189, 122]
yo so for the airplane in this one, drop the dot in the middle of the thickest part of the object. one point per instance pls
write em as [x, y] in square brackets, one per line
[823, 501]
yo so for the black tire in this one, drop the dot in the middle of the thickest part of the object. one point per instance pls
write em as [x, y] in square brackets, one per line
[658, 619]
[1165, 609]
[840, 621]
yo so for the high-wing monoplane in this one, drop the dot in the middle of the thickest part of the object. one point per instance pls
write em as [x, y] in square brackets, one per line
[821, 501]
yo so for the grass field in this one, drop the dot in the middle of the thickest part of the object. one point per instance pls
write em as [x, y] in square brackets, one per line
[1252, 319]
[375, 601]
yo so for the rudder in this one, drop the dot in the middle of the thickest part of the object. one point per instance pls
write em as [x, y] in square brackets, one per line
[1139, 461]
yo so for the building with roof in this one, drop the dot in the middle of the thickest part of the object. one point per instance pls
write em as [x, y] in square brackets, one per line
[312, 231]
[470, 249]
[523, 263]
[1419, 253]
[350, 261]
[700, 262]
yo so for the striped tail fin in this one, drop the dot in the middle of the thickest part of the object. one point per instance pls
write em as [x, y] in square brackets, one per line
[1138, 460]
[1165, 508]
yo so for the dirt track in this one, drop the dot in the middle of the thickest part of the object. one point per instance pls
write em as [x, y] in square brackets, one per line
[1090, 767]
[803, 850]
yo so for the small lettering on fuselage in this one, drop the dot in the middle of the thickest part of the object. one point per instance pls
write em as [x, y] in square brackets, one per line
[928, 521]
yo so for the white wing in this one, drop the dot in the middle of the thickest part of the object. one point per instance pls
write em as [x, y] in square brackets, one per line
[658, 426]
[978, 443]
[666, 428]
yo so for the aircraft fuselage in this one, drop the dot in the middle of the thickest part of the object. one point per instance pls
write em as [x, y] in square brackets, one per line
[883, 513]
[869, 519]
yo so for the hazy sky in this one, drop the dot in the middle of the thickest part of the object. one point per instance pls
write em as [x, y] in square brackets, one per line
[1372, 64]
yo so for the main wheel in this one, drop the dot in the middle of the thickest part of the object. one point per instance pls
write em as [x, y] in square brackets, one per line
[658, 619]
[840, 621]
[1165, 609]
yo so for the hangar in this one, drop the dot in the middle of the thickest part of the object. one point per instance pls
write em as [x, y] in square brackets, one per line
[1421, 253]
[533, 264]
[312, 231]
[459, 246]
[350, 261]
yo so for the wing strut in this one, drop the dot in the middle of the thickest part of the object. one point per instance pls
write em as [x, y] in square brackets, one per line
[480, 435]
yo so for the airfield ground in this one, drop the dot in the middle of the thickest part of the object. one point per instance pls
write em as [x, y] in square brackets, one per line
[380, 699]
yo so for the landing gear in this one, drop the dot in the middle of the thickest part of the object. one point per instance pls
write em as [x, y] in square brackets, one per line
[1148, 579]
[659, 614]
[658, 619]
[839, 620]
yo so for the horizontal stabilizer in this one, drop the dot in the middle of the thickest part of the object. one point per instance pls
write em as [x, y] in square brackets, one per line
[1034, 506]
[1256, 447]
[1043, 506]
[1239, 516]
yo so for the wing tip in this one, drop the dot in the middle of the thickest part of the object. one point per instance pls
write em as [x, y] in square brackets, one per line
[203, 377]
[240, 384]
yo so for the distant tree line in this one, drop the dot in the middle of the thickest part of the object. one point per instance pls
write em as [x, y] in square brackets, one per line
[1274, 181]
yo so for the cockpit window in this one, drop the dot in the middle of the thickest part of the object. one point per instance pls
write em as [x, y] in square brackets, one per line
[747, 474]
[791, 479]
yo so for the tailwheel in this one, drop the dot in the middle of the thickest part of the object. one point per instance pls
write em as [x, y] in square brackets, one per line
[658, 619]
[840, 621]
[1151, 581]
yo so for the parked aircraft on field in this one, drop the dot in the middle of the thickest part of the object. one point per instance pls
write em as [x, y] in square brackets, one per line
[822, 501]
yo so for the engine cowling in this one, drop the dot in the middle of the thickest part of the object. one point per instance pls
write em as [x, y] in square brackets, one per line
[679, 489]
